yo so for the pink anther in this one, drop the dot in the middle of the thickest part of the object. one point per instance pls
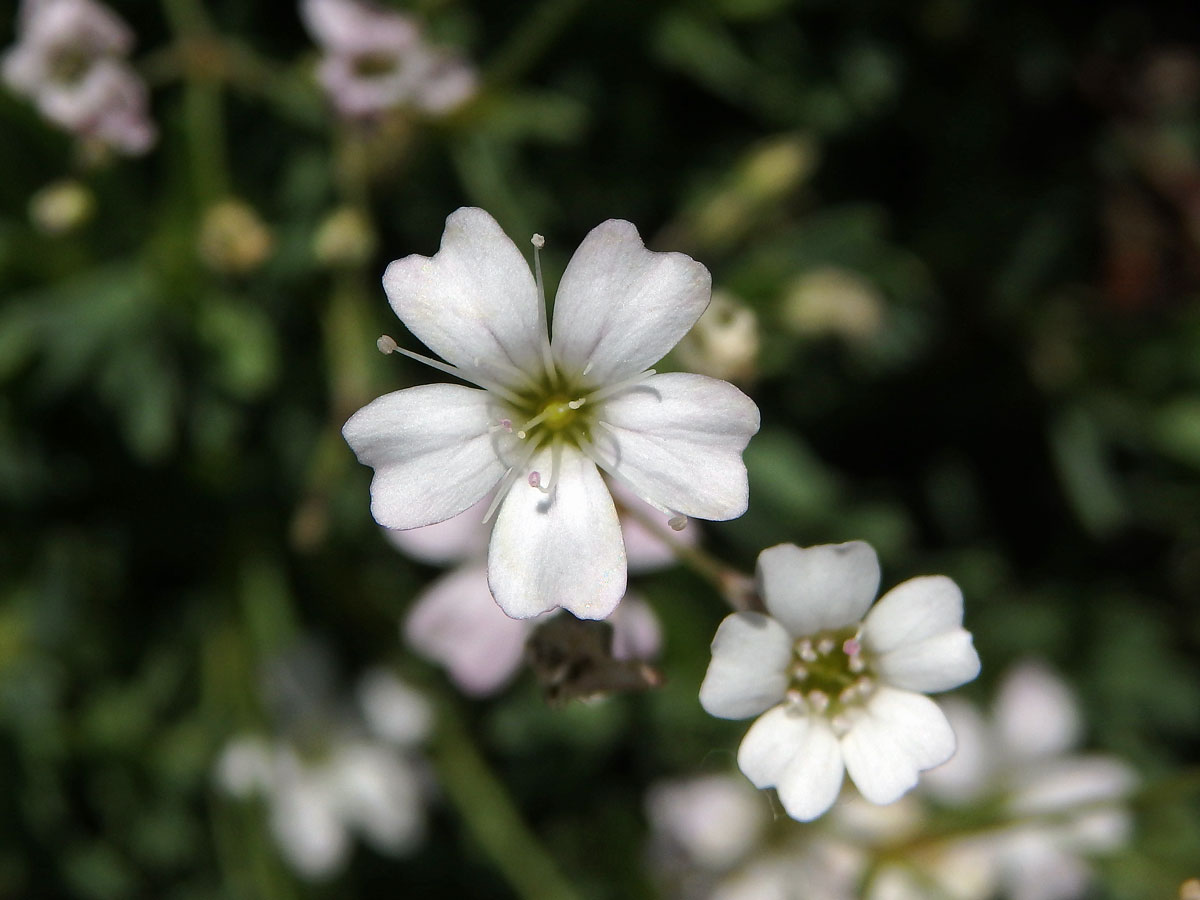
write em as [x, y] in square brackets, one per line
[535, 479]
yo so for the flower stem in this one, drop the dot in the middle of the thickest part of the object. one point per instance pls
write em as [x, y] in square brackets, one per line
[735, 587]
[490, 814]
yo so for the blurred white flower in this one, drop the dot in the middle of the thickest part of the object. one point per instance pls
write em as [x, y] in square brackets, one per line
[716, 820]
[550, 413]
[376, 59]
[839, 692]
[456, 623]
[70, 61]
[364, 783]
[1020, 761]
[834, 301]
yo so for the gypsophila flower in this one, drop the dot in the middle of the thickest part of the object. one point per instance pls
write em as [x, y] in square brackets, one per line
[377, 59]
[363, 780]
[551, 411]
[1066, 806]
[839, 689]
[70, 60]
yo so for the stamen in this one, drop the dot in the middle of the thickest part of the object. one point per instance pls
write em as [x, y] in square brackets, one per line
[523, 431]
[818, 700]
[507, 481]
[825, 646]
[503, 425]
[851, 647]
[488, 386]
[387, 344]
[677, 523]
[556, 452]
[547, 356]
[535, 480]
[575, 404]
[603, 393]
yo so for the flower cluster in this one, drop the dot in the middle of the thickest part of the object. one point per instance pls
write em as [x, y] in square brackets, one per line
[70, 60]
[456, 623]
[377, 59]
[1044, 812]
[840, 689]
[552, 413]
[321, 789]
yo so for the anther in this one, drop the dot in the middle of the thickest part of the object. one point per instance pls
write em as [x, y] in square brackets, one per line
[799, 672]
[852, 647]
[805, 651]
[794, 697]
[825, 646]
[538, 241]
[386, 344]
[857, 664]
[818, 700]
[575, 404]
[535, 480]
[677, 523]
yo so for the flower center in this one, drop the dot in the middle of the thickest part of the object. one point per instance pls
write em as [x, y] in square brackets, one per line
[830, 672]
[374, 65]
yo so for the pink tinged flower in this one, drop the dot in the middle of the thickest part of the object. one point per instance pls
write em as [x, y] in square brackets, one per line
[376, 59]
[70, 62]
[549, 414]
[837, 688]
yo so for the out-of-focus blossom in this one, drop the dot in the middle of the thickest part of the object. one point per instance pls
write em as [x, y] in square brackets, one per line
[833, 301]
[233, 239]
[549, 414]
[724, 342]
[456, 623]
[715, 820]
[1021, 761]
[839, 689]
[70, 60]
[357, 781]
[377, 59]
[345, 238]
[61, 207]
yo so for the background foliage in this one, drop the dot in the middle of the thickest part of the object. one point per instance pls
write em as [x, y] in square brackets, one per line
[1013, 188]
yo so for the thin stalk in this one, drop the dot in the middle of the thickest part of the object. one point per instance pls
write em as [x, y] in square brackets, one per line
[491, 816]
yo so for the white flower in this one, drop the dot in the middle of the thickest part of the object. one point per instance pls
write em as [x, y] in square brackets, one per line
[455, 621]
[377, 59]
[364, 783]
[70, 61]
[551, 411]
[715, 819]
[839, 692]
[1019, 762]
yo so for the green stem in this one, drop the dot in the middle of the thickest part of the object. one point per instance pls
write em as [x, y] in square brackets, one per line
[734, 586]
[491, 815]
[204, 119]
[530, 40]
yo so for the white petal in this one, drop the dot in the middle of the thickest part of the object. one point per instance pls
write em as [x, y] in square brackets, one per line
[899, 735]
[558, 549]
[910, 612]
[938, 663]
[431, 451]
[458, 624]
[817, 588]
[1036, 713]
[307, 827]
[474, 302]
[380, 794]
[621, 307]
[462, 537]
[812, 780]
[393, 710]
[637, 633]
[771, 744]
[969, 772]
[748, 672]
[677, 440]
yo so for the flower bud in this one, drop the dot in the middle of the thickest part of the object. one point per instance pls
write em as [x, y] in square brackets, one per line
[345, 238]
[833, 301]
[61, 206]
[724, 342]
[233, 239]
